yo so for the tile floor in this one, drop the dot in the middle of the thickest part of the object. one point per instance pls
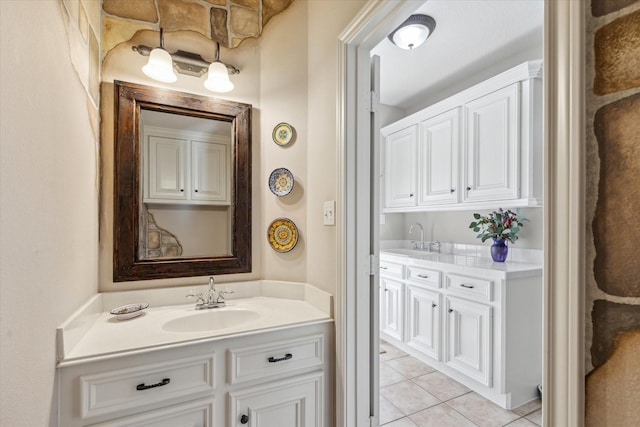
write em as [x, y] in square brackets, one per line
[412, 394]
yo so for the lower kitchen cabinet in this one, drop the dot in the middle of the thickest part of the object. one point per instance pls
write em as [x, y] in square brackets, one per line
[469, 330]
[423, 320]
[392, 303]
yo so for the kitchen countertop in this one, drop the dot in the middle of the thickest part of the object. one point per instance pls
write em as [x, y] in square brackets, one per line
[473, 264]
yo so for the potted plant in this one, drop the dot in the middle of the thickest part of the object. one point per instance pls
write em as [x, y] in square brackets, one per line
[500, 225]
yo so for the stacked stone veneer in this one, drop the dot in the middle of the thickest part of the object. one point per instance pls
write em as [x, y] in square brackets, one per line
[156, 242]
[613, 213]
[228, 22]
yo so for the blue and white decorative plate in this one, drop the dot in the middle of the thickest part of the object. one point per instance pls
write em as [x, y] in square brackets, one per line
[281, 182]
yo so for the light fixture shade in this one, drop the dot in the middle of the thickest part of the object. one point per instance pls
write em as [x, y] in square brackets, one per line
[413, 32]
[160, 66]
[218, 78]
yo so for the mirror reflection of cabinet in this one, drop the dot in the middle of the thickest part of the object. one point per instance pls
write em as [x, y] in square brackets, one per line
[182, 167]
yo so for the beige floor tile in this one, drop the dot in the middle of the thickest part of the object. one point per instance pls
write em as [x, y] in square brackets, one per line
[535, 417]
[388, 352]
[402, 422]
[522, 422]
[441, 415]
[388, 375]
[441, 386]
[409, 366]
[388, 412]
[528, 407]
[481, 411]
[408, 397]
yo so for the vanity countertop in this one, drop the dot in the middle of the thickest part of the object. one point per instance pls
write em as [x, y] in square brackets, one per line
[93, 333]
[474, 264]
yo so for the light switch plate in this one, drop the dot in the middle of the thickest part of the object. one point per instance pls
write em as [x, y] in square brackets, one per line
[329, 213]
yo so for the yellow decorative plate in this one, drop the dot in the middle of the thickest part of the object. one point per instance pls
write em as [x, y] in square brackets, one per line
[282, 235]
[282, 133]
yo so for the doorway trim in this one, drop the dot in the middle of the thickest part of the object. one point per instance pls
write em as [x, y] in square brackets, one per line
[563, 367]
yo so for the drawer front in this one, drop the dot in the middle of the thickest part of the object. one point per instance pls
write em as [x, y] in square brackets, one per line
[257, 362]
[195, 414]
[128, 389]
[391, 269]
[424, 276]
[470, 287]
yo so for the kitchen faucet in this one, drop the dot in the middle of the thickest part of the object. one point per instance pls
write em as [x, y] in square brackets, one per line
[421, 235]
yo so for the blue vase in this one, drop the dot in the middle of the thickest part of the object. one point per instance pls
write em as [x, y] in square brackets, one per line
[499, 250]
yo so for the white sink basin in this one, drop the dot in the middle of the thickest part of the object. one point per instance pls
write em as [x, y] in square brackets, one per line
[210, 320]
[410, 252]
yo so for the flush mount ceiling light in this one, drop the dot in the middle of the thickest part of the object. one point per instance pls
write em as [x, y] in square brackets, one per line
[413, 32]
[162, 64]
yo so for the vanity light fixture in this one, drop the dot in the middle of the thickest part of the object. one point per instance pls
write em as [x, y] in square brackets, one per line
[413, 32]
[162, 64]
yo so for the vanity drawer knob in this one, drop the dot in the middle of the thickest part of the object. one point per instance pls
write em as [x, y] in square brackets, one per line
[244, 419]
[464, 285]
[286, 357]
[160, 384]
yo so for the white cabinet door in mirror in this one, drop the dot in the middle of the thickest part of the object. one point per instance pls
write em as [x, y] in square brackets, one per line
[210, 170]
[167, 168]
[438, 159]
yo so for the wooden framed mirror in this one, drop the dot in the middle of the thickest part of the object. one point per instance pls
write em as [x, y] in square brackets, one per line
[182, 184]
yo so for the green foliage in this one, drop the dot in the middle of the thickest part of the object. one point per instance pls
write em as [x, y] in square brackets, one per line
[500, 224]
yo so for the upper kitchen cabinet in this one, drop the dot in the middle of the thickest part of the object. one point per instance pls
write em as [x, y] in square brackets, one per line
[476, 148]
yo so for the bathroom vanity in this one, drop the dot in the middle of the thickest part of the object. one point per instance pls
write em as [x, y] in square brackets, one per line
[477, 321]
[263, 359]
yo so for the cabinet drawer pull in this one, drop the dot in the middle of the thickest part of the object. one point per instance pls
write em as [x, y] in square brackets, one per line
[244, 419]
[286, 357]
[160, 384]
[423, 276]
[464, 285]
[384, 268]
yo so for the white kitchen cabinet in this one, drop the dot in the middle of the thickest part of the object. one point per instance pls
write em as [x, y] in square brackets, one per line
[275, 378]
[491, 148]
[474, 150]
[400, 168]
[182, 167]
[392, 316]
[438, 144]
[423, 320]
[469, 330]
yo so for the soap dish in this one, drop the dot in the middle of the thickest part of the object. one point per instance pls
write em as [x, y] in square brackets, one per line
[129, 311]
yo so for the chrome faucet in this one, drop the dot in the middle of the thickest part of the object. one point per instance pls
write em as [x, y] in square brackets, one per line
[421, 235]
[212, 301]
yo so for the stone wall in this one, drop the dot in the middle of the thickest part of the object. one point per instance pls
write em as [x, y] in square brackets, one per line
[228, 22]
[613, 218]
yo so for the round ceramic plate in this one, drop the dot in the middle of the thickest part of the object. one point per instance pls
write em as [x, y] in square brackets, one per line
[129, 311]
[281, 182]
[282, 235]
[282, 133]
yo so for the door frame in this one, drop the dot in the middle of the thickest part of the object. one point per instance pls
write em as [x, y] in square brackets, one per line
[564, 177]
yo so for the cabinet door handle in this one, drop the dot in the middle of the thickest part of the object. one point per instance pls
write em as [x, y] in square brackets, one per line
[453, 190]
[160, 384]
[196, 191]
[244, 419]
[423, 276]
[411, 195]
[468, 188]
[434, 305]
[451, 310]
[464, 285]
[286, 357]
[182, 190]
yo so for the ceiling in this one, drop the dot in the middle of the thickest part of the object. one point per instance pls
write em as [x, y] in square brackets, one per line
[472, 40]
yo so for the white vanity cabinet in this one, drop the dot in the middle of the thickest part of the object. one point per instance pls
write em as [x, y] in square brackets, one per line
[476, 321]
[280, 377]
[392, 303]
[471, 150]
[182, 167]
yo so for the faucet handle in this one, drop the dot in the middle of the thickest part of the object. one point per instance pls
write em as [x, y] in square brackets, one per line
[221, 295]
[199, 295]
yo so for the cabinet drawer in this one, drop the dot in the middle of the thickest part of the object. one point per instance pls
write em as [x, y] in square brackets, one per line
[470, 287]
[424, 276]
[194, 414]
[391, 269]
[251, 363]
[128, 389]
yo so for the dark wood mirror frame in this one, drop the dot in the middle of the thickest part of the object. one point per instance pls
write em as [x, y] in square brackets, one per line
[129, 100]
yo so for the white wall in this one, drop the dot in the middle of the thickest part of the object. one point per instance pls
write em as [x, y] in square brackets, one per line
[48, 205]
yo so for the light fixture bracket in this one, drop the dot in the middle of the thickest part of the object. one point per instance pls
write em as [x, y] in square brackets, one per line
[188, 63]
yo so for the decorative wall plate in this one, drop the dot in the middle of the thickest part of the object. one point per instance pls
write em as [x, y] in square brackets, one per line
[282, 235]
[129, 311]
[282, 133]
[281, 182]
